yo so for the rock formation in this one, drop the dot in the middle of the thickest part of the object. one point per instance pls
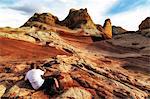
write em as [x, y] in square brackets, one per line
[78, 19]
[75, 19]
[107, 29]
[117, 68]
[41, 21]
[145, 24]
[118, 30]
[144, 27]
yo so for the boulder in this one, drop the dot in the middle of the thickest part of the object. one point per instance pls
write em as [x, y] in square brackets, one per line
[2, 90]
[145, 24]
[107, 29]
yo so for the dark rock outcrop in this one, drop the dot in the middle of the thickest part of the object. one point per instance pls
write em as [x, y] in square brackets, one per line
[144, 27]
[118, 30]
[145, 24]
[78, 19]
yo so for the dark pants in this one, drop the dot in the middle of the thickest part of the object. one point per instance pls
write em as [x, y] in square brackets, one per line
[49, 86]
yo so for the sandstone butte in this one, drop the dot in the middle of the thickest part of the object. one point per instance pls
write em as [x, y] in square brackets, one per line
[94, 61]
[108, 29]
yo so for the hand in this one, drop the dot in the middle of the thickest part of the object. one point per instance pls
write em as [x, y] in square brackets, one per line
[56, 83]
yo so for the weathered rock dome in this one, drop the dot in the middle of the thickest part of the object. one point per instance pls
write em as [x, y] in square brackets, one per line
[78, 19]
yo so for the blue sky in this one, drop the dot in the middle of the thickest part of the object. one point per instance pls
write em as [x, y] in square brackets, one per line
[125, 13]
[124, 5]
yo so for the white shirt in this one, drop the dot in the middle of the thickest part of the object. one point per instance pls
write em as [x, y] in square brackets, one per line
[34, 77]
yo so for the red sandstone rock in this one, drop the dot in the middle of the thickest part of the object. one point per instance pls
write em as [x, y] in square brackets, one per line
[107, 29]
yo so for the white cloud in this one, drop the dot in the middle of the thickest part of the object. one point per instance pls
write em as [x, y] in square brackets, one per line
[96, 8]
[30, 7]
[19, 12]
[13, 18]
[66, 1]
[130, 20]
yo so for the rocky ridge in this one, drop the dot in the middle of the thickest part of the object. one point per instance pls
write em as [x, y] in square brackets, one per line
[76, 19]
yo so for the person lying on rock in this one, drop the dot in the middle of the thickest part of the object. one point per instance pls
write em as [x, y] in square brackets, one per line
[49, 84]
